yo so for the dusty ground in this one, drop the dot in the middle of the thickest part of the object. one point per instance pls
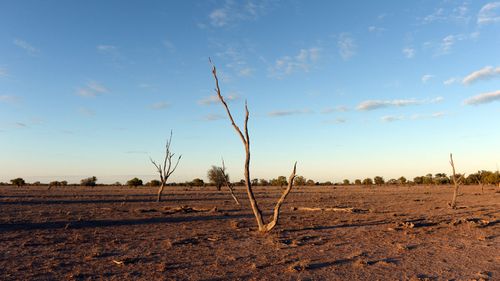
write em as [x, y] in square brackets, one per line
[120, 233]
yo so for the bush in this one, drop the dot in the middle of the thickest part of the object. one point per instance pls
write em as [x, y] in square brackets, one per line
[88, 181]
[154, 183]
[19, 182]
[135, 182]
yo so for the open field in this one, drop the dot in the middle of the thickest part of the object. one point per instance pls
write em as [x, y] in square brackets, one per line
[120, 233]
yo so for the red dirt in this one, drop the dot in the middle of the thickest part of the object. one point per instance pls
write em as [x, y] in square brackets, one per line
[120, 233]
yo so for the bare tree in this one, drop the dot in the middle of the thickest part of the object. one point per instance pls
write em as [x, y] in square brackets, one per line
[456, 183]
[244, 136]
[167, 169]
[227, 183]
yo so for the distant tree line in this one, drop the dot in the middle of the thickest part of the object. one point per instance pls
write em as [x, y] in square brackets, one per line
[482, 177]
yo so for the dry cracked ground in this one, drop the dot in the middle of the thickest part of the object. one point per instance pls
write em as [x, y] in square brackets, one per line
[351, 233]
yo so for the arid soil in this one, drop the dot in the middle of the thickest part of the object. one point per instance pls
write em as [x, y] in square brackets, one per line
[120, 233]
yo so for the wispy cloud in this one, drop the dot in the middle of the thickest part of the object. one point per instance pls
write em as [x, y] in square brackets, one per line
[458, 14]
[86, 111]
[378, 104]
[235, 11]
[235, 59]
[336, 121]
[213, 117]
[92, 89]
[391, 118]
[376, 29]
[160, 105]
[489, 13]
[303, 61]
[26, 46]
[450, 81]
[3, 72]
[9, 99]
[106, 48]
[214, 99]
[20, 125]
[340, 108]
[280, 113]
[426, 78]
[409, 52]
[483, 98]
[169, 45]
[485, 73]
[347, 46]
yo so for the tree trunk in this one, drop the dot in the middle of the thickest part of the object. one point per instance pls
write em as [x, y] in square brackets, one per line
[453, 203]
[160, 190]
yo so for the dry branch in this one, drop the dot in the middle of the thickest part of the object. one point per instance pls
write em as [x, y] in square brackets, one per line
[333, 209]
[456, 183]
[167, 169]
[228, 184]
[245, 138]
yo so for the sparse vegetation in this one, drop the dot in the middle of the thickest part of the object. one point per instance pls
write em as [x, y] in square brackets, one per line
[135, 182]
[19, 182]
[168, 167]
[89, 181]
[217, 176]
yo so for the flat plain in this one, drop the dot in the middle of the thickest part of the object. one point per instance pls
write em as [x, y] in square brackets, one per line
[374, 233]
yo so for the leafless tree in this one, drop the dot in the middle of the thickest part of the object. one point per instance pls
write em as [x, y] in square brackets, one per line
[227, 183]
[244, 136]
[166, 170]
[456, 183]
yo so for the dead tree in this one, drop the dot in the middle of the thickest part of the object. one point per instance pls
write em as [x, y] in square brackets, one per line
[166, 170]
[456, 183]
[228, 184]
[244, 136]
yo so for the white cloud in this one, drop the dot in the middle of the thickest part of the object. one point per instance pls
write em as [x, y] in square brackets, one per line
[214, 99]
[458, 14]
[483, 98]
[391, 118]
[8, 99]
[169, 45]
[106, 48]
[378, 104]
[303, 61]
[336, 121]
[450, 81]
[340, 108]
[489, 13]
[160, 105]
[347, 46]
[21, 125]
[375, 29]
[26, 46]
[409, 52]
[235, 59]
[86, 112]
[234, 11]
[428, 116]
[245, 72]
[485, 73]
[92, 89]
[447, 43]
[213, 117]
[426, 78]
[280, 113]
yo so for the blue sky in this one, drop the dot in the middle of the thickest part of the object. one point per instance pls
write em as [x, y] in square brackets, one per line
[349, 89]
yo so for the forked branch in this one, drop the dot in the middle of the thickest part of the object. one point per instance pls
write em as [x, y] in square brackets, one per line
[166, 170]
[245, 138]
